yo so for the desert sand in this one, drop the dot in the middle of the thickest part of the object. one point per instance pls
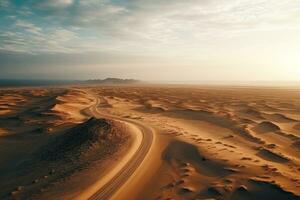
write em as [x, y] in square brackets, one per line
[207, 142]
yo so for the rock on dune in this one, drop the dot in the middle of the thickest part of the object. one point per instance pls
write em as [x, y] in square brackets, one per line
[211, 193]
[278, 118]
[153, 106]
[94, 133]
[272, 156]
[251, 112]
[297, 126]
[261, 190]
[296, 145]
[182, 152]
[265, 127]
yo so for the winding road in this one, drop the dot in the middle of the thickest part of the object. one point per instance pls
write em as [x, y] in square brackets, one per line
[120, 178]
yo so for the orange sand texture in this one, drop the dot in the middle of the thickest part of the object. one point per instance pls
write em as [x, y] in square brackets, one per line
[212, 142]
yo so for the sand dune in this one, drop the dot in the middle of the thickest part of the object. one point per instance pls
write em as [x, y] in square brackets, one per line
[70, 106]
[297, 126]
[261, 190]
[265, 127]
[210, 142]
[9, 101]
[251, 113]
[296, 145]
[98, 133]
[271, 156]
[153, 106]
[229, 143]
[3, 132]
[70, 153]
[184, 154]
[279, 118]
[28, 115]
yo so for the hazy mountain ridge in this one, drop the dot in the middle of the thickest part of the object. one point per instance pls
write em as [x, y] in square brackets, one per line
[112, 81]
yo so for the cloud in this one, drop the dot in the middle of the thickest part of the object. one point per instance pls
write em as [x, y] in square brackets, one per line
[29, 38]
[55, 3]
[154, 26]
[4, 3]
[177, 21]
[29, 27]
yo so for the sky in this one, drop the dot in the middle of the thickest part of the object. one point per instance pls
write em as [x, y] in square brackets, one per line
[168, 40]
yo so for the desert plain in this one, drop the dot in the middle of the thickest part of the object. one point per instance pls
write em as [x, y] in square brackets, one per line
[150, 142]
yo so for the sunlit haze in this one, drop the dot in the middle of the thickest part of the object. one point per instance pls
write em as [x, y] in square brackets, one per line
[205, 40]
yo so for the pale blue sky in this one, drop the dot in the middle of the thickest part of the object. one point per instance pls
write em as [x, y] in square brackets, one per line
[216, 40]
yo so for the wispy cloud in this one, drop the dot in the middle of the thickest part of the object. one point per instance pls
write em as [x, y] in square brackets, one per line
[4, 3]
[29, 38]
[54, 3]
[195, 34]
[136, 23]
[29, 27]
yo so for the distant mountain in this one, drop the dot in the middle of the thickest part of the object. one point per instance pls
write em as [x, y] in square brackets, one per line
[112, 81]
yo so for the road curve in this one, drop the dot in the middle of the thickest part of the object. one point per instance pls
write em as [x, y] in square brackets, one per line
[112, 186]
